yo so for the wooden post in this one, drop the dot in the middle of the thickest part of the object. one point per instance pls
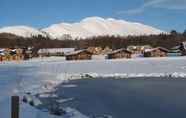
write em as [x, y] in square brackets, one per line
[15, 107]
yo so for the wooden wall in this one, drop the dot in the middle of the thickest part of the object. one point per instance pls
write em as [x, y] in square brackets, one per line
[155, 53]
[119, 55]
[79, 56]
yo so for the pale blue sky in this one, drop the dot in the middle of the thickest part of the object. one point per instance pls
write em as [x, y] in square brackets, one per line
[163, 14]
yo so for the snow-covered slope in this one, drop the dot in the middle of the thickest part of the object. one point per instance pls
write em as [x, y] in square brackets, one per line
[23, 31]
[88, 27]
[96, 26]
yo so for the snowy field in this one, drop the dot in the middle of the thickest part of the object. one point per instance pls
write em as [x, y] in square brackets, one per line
[42, 75]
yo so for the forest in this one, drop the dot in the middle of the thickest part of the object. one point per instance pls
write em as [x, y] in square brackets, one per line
[167, 40]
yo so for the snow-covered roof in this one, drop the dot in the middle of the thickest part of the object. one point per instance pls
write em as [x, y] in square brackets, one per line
[13, 50]
[67, 50]
[1, 53]
[56, 50]
[175, 51]
[161, 48]
[119, 50]
[77, 52]
[175, 48]
[1, 49]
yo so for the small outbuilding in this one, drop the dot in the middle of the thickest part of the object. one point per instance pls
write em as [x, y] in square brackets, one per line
[120, 53]
[156, 52]
[79, 55]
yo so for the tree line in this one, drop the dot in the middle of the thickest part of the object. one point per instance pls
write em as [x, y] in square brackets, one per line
[167, 40]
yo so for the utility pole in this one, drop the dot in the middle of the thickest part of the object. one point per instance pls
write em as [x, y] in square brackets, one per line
[15, 107]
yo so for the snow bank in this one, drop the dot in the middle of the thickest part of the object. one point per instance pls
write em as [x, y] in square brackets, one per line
[138, 67]
[134, 75]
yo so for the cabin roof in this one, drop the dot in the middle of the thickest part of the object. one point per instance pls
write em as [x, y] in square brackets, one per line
[55, 50]
[77, 52]
[160, 48]
[1, 49]
[137, 46]
[13, 50]
[1, 53]
[119, 50]
[174, 51]
[175, 47]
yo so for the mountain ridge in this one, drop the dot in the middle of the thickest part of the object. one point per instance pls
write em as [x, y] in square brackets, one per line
[87, 27]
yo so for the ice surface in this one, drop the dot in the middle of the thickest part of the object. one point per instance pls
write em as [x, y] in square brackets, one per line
[41, 75]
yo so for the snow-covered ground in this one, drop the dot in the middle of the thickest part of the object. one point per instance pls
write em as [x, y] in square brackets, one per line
[43, 74]
[164, 66]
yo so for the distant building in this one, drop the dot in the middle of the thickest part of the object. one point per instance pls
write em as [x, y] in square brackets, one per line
[120, 53]
[28, 52]
[156, 52]
[138, 49]
[95, 50]
[79, 55]
[54, 51]
[8, 54]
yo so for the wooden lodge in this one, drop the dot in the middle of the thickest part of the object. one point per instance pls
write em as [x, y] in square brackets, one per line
[79, 55]
[120, 53]
[156, 52]
[11, 54]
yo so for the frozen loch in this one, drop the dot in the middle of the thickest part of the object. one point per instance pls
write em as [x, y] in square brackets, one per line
[97, 87]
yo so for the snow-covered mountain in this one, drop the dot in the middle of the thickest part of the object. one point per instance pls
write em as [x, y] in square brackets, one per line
[23, 31]
[95, 26]
[88, 27]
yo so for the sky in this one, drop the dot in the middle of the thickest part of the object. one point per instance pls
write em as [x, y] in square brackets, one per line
[163, 14]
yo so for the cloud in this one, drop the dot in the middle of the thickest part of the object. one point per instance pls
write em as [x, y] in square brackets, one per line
[132, 11]
[166, 4]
